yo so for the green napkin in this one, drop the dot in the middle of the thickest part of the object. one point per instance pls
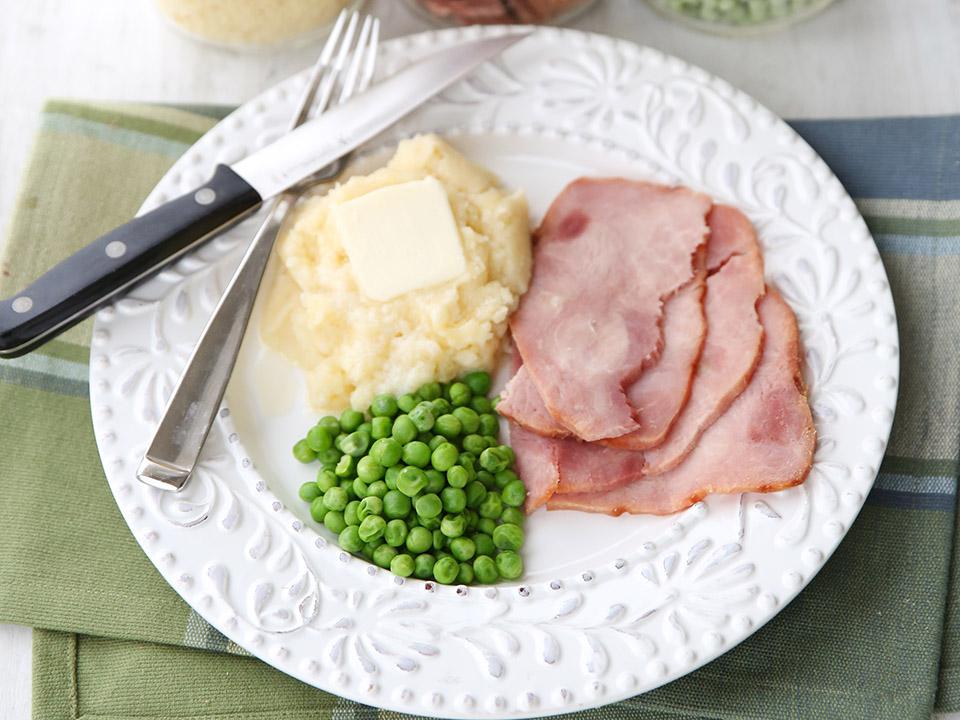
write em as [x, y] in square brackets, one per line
[876, 634]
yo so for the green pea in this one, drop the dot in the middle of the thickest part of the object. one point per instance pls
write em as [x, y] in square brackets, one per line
[419, 540]
[487, 479]
[436, 481]
[350, 420]
[338, 441]
[395, 533]
[428, 506]
[365, 427]
[430, 523]
[369, 470]
[318, 510]
[378, 488]
[396, 504]
[484, 544]
[475, 493]
[465, 574]
[439, 540]
[384, 406]
[416, 453]
[491, 441]
[507, 452]
[491, 507]
[372, 527]
[404, 430]
[391, 477]
[454, 499]
[328, 458]
[504, 477]
[514, 493]
[346, 467]
[509, 564]
[440, 407]
[334, 522]
[330, 424]
[335, 498]
[460, 394]
[474, 444]
[473, 517]
[356, 444]
[462, 548]
[469, 420]
[493, 460]
[478, 381]
[486, 525]
[402, 565]
[309, 491]
[326, 479]
[360, 488]
[508, 537]
[423, 566]
[429, 391]
[422, 417]
[481, 405]
[349, 539]
[469, 463]
[411, 481]
[512, 515]
[489, 425]
[453, 526]
[370, 505]
[303, 452]
[350, 516]
[444, 457]
[384, 555]
[445, 570]
[435, 442]
[448, 425]
[485, 569]
[347, 486]
[319, 439]
[458, 477]
[370, 548]
[381, 427]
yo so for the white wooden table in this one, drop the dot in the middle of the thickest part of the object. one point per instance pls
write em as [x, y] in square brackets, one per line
[863, 57]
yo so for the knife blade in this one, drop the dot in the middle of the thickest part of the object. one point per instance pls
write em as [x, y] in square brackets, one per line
[91, 277]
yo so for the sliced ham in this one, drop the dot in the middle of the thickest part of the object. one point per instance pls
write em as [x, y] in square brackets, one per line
[608, 253]
[764, 442]
[591, 467]
[734, 335]
[521, 403]
[536, 463]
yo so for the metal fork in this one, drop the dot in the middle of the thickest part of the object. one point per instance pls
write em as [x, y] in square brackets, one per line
[348, 59]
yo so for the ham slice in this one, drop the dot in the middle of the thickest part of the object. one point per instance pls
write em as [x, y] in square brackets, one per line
[536, 463]
[521, 403]
[764, 442]
[734, 334]
[638, 238]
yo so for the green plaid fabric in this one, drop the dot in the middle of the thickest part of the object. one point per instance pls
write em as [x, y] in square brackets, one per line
[876, 634]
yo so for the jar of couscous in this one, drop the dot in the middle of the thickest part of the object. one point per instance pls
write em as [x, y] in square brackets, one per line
[252, 24]
[740, 17]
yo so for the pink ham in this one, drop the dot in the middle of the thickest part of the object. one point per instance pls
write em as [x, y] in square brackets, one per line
[636, 238]
[734, 335]
[536, 463]
[764, 442]
[520, 401]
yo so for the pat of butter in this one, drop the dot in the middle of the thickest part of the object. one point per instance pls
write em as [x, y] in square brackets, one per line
[400, 238]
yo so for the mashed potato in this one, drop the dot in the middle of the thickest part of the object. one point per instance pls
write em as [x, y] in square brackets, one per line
[351, 347]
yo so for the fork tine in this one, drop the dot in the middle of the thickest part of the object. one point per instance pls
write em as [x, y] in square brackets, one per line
[317, 72]
[356, 60]
[371, 59]
[330, 78]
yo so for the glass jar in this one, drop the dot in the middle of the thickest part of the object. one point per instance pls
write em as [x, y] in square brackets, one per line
[252, 24]
[739, 17]
[499, 12]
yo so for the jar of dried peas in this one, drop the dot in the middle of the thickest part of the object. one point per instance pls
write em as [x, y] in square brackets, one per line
[740, 17]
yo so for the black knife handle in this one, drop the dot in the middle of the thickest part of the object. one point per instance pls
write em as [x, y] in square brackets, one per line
[88, 279]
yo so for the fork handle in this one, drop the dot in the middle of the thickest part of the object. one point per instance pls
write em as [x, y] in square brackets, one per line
[190, 413]
[76, 287]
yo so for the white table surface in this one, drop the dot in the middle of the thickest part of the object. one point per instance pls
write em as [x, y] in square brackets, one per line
[862, 57]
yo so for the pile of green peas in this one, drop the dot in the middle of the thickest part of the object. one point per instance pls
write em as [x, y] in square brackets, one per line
[421, 484]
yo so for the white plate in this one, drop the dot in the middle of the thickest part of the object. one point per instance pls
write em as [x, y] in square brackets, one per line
[610, 607]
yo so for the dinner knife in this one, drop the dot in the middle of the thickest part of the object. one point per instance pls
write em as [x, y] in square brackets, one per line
[88, 279]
